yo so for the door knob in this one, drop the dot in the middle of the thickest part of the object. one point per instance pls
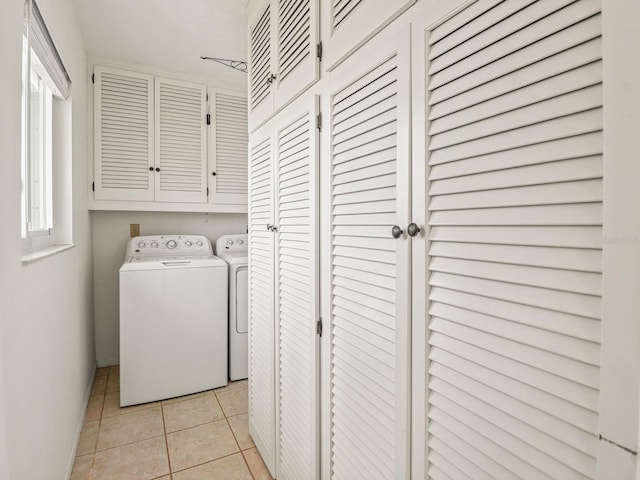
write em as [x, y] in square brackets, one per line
[396, 231]
[413, 229]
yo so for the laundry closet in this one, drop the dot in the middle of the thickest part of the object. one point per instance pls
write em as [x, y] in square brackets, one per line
[426, 241]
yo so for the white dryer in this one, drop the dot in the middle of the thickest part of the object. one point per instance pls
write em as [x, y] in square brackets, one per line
[233, 249]
[173, 318]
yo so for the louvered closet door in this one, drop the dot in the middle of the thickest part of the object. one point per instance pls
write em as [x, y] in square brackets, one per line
[181, 141]
[297, 292]
[369, 273]
[297, 39]
[261, 297]
[123, 135]
[261, 64]
[228, 161]
[515, 215]
[347, 24]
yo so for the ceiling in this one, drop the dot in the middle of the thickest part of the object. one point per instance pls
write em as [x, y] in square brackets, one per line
[171, 34]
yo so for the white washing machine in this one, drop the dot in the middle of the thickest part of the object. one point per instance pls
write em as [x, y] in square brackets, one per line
[173, 318]
[234, 250]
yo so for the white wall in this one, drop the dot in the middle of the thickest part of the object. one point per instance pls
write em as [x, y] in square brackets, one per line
[46, 309]
[110, 236]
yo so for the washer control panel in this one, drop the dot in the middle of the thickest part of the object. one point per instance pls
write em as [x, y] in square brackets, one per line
[173, 245]
[232, 244]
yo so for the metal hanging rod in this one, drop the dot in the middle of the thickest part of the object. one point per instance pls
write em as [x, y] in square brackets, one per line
[235, 64]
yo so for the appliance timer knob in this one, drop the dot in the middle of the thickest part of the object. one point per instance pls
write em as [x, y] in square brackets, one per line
[239, 241]
[229, 242]
[154, 244]
[141, 244]
[172, 244]
[188, 243]
[199, 243]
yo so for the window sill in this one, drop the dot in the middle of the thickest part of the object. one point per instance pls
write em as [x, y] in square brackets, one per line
[31, 257]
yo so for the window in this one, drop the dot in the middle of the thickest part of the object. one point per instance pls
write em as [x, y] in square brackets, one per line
[45, 88]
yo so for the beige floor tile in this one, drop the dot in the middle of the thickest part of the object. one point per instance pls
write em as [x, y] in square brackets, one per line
[88, 438]
[191, 447]
[99, 385]
[112, 406]
[234, 401]
[191, 412]
[82, 468]
[113, 384]
[232, 467]
[256, 465]
[114, 369]
[94, 408]
[139, 461]
[240, 426]
[129, 428]
[102, 371]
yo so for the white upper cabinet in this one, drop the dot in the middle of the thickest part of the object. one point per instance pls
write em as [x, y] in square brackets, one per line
[124, 160]
[181, 141]
[348, 24]
[228, 162]
[283, 54]
[162, 144]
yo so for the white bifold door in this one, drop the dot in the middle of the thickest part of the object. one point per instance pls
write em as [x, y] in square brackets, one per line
[283, 280]
[514, 163]
[365, 346]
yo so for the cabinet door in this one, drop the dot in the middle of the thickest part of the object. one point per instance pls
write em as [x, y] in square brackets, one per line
[514, 157]
[348, 24]
[261, 297]
[228, 162]
[261, 64]
[123, 135]
[181, 142]
[297, 291]
[366, 366]
[296, 56]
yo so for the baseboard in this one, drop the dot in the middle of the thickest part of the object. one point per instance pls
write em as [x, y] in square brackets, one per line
[74, 448]
[107, 362]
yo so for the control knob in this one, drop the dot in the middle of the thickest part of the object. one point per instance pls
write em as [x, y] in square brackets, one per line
[229, 243]
[172, 244]
[199, 243]
[188, 243]
[154, 244]
[239, 241]
[141, 244]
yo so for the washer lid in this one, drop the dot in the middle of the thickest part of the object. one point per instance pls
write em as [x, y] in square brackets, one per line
[138, 263]
[235, 258]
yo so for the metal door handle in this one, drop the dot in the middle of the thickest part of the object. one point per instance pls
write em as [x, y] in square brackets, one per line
[396, 231]
[413, 229]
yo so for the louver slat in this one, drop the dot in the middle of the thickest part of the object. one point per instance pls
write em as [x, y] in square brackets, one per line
[261, 302]
[367, 389]
[180, 142]
[260, 58]
[296, 308]
[123, 135]
[229, 148]
[294, 42]
[515, 214]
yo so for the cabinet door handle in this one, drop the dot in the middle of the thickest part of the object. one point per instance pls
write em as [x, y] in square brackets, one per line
[157, 169]
[413, 229]
[151, 169]
[270, 79]
[396, 231]
[270, 227]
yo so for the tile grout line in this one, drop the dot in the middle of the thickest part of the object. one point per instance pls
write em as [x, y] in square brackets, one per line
[166, 440]
[235, 438]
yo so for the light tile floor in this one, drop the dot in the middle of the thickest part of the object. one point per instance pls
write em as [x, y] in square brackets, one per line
[204, 436]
